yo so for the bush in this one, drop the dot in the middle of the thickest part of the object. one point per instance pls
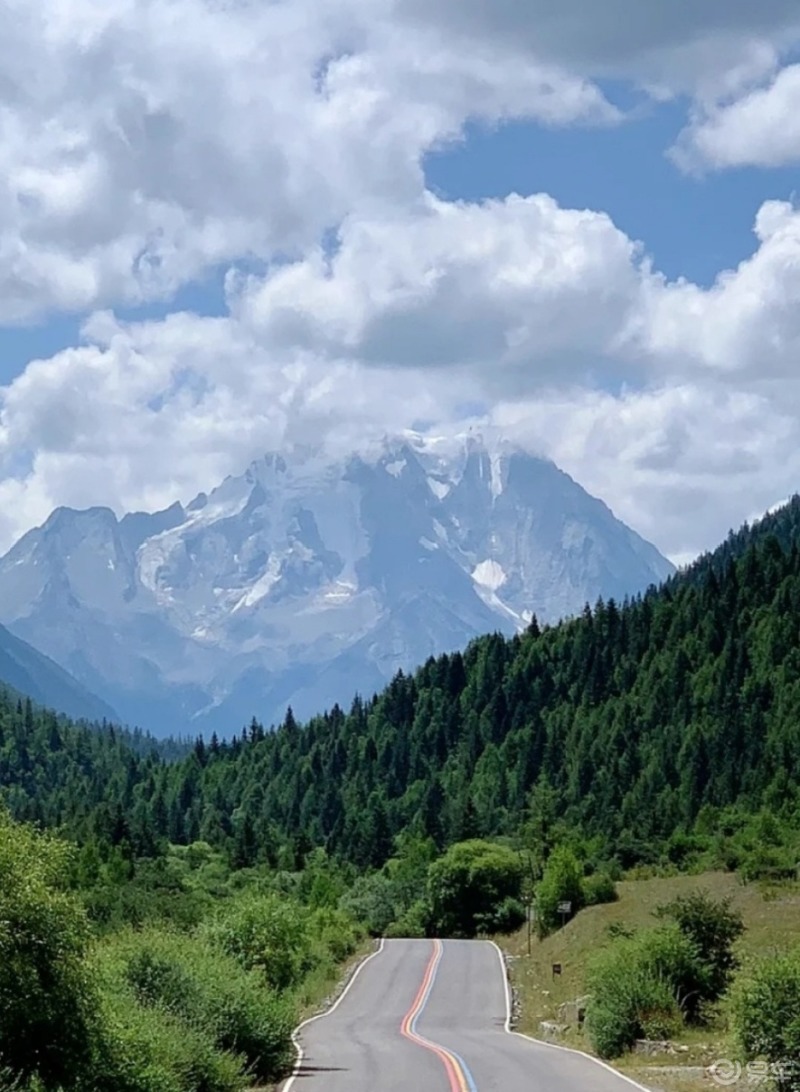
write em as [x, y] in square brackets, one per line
[205, 990]
[641, 988]
[562, 882]
[336, 935]
[773, 863]
[49, 1009]
[414, 923]
[713, 927]
[505, 918]
[269, 934]
[371, 900]
[599, 889]
[469, 886]
[766, 1014]
[628, 1001]
[151, 1050]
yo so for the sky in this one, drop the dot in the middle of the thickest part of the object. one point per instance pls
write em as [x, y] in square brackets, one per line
[231, 226]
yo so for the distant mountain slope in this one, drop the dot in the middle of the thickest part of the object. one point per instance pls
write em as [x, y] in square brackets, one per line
[304, 580]
[41, 679]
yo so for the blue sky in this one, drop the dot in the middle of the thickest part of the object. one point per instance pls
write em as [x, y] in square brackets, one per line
[175, 177]
[692, 226]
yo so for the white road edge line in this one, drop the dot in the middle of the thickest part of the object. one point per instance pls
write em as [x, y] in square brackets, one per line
[320, 1015]
[553, 1046]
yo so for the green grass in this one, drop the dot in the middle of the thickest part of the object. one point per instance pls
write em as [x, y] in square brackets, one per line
[772, 920]
[319, 986]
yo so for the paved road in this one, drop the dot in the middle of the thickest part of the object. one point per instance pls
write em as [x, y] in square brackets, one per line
[430, 1016]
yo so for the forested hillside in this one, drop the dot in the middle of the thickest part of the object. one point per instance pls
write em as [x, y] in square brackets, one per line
[635, 725]
[632, 723]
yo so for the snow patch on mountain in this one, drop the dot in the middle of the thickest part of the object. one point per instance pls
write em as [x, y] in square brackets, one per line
[489, 575]
[496, 467]
[438, 488]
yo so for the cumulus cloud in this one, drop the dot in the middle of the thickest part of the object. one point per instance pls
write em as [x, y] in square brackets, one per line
[669, 400]
[760, 128]
[683, 464]
[511, 285]
[147, 140]
[147, 413]
[747, 324]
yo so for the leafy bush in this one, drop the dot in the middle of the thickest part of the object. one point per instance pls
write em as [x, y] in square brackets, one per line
[562, 882]
[206, 990]
[48, 1004]
[371, 900]
[266, 933]
[713, 927]
[505, 918]
[599, 889]
[628, 1001]
[469, 886]
[643, 987]
[152, 1050]
[414, 922]
[766, 1014]
[335, 934]
[763, 862]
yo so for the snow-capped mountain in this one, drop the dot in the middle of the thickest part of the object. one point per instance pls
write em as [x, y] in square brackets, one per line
[306, 580]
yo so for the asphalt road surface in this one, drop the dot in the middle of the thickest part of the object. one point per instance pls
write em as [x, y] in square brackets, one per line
[431, 1016]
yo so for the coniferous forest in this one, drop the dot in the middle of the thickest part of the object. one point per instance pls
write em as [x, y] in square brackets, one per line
[646, 727]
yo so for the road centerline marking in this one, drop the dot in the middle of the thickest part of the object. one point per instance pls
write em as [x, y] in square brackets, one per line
[458, 1072]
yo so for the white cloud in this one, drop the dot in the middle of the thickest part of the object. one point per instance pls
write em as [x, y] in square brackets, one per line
[748, 323]
[147, 140]
[760, 128]
[148, 413]
[509, 287]
[682, 464]
[535, 312]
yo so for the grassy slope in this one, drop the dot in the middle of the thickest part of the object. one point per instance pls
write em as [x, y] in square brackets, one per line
[772, 919]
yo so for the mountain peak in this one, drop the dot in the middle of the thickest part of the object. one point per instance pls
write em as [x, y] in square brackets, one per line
[307, 578]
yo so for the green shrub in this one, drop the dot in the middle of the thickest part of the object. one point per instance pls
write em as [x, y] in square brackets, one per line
[713, 927]
[468, 887]
[505, 918]
[269, 934]
[205, 989]
[641, 988]
[371, 900]
[151, 1050]
[413, 923]
[562, 882]
[48, 1003]
[628, 1001]
[599, 889]
[335, 933]
[766, 1014]
[765, 862]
